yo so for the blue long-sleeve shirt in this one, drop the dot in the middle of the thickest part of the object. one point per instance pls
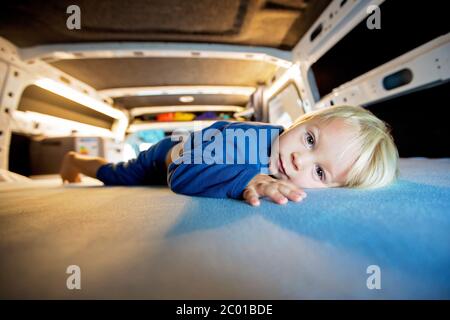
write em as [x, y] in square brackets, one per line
[217, 161]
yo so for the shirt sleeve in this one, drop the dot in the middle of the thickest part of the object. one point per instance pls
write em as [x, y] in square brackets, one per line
[201, 178]
[149, 168]
[216, 180]
[128, 173]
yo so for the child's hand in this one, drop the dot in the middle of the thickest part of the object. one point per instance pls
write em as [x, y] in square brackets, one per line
[68, 170]
[279, 191]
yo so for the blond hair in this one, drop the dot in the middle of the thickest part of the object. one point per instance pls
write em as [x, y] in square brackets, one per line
[377, 162]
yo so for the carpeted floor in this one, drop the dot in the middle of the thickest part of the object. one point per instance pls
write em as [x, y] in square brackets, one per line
[146, 242]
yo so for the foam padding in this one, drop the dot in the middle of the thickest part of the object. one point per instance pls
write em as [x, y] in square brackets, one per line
[146, 242]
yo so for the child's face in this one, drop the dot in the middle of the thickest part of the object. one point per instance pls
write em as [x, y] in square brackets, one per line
[315, 154]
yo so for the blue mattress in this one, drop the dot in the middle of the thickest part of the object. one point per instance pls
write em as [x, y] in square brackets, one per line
[150, 243]
[404, 229]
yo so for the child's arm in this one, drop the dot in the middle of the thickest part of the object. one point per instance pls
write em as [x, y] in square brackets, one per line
[216, 181]
[279, 191]
[198, 171]
[75, 164]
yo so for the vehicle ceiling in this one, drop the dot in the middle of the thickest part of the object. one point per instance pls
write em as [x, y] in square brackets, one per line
[277, 24]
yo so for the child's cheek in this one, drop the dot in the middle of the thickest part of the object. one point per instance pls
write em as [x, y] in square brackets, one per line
[297, 181]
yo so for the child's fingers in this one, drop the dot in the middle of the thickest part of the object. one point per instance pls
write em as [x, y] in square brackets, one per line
[276, 196]
[279, 192]
[292, 186]
[290, 193]
[251, 196]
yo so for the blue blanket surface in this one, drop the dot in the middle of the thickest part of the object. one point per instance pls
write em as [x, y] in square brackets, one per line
[403, 229]
[147, 242]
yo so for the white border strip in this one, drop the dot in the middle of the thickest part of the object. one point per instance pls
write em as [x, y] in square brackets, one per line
[337, 21]
[156, 49]
[171, 126]
[429, 64]
[191, 108]
[177, 90]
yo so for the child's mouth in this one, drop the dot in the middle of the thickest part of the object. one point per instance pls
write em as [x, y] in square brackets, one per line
[281, 166]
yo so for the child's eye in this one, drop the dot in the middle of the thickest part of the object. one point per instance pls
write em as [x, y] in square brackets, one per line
[309, 139]
[320, 173]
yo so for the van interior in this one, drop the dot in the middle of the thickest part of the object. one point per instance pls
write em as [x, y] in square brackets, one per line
[112, 78]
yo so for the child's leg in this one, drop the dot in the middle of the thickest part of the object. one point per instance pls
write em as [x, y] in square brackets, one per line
[74, 164]
[149, 168]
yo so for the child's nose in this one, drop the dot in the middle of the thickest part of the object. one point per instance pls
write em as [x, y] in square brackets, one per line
[295, 159]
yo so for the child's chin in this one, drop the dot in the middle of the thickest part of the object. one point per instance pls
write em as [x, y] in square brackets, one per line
[274, 173]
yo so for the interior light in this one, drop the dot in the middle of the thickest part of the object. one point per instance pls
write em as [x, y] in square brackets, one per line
[128, 152]
[74, 95]
[186, 99]
[61, 126]
[145, 145]
[65, 91]
[293, 73]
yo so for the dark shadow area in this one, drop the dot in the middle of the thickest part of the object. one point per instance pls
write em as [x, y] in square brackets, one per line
[405, 25]
[418, 120]
[19, 155]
